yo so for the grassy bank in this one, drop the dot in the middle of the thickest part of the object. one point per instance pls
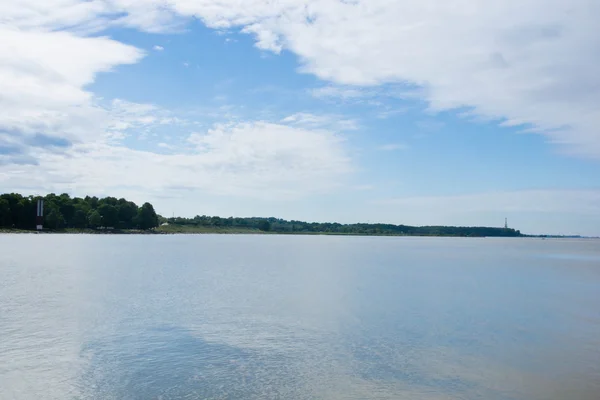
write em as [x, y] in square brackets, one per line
[11, 230]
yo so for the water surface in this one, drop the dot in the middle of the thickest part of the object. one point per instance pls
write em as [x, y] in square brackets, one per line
[298, 317]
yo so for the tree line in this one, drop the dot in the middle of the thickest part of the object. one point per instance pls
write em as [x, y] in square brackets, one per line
[62, 211]
[284, 226]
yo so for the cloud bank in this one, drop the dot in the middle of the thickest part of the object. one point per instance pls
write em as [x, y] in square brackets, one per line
[253, 159]
[528, 63]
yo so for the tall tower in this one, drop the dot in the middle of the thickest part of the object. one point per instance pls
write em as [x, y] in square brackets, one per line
[40, 214]
[505, 223]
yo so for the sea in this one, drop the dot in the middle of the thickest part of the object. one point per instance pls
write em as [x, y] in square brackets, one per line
[233, 317]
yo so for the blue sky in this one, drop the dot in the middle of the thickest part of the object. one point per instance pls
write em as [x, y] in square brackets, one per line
[441, 112]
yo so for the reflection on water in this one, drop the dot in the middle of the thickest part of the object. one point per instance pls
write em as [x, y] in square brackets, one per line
[271, 317]
[173, 363]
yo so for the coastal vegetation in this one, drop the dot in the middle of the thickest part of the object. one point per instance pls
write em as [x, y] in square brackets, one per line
[277, 225]
[63, 213]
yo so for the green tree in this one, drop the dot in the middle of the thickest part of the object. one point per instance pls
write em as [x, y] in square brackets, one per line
[92, 201]
[24, 213]
[80, 219]
[110, 215]
[108, 200]
[147, 218]
[94, 219]
[264, 225]
[66, 208]
[5, 216]
[127, 214]
[54, 219]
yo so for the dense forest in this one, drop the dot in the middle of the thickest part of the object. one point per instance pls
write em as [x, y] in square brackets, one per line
[283, 226]
[63, 211]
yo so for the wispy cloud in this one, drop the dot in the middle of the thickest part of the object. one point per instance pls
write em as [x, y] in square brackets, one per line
[389, 112]
[338, 92]
[394, 147]
[158, 48]
[138, 119]
[328, 121]
[166, 146]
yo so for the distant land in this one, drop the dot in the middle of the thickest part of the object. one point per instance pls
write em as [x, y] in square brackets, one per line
[277, 225]
[66, 214]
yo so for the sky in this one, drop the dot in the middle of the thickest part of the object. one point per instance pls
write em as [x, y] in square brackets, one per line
[420, 112]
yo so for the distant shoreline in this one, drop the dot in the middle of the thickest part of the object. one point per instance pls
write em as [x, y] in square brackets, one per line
[109, 215]
[187, 230]
[204, 231]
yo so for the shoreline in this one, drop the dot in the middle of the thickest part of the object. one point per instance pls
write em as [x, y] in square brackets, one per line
[204, 232]
[185, 230]
[227, 231]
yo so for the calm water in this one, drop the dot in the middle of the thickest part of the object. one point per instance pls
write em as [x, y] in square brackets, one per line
[284, 317]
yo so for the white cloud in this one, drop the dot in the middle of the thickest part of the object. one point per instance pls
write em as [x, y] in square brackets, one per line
[43, 76]
[129, 116]
[337, 92]
[315, 121]
[253, 159]
[42, 81]
[51, 15]
[384, 99]
[158, 48]
[124, 107]
[393, 147]
[85, 17]
[46, 62]
[527, 62]
[389, 112]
